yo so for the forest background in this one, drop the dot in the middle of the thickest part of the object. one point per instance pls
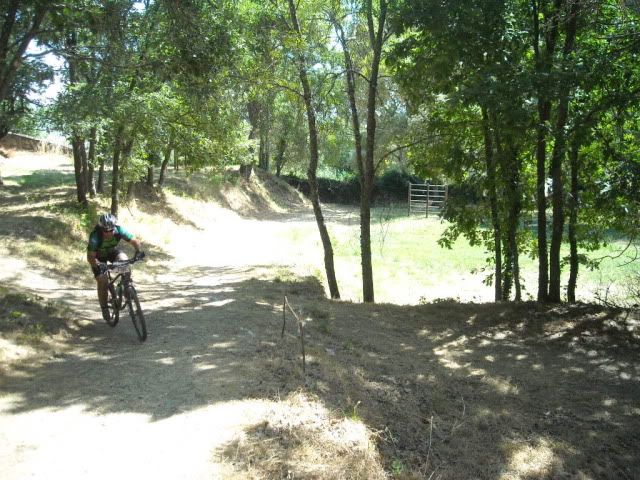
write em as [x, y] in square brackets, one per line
[528, 108]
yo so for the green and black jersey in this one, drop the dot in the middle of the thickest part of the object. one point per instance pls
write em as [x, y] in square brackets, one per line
[103, 247]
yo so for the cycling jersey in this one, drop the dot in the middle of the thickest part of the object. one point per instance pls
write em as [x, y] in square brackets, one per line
[103, 247]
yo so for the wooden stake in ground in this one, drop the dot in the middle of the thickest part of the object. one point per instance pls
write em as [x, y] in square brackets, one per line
[286, 304]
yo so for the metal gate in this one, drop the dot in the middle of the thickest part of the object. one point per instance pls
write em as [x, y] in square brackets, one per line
[427, 197]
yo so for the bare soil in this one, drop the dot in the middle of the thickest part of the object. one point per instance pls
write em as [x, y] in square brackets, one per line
[445, 390]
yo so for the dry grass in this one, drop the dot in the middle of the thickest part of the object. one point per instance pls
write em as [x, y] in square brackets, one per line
[458, 391]
[301, 439]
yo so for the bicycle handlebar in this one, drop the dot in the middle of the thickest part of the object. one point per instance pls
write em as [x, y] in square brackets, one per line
[122, 263]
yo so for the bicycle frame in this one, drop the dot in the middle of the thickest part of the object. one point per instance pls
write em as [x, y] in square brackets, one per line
[121, 285]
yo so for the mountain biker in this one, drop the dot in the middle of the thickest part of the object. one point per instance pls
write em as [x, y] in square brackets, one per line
[102, 248]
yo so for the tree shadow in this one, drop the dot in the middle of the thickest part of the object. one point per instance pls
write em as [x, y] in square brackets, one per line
[201, 350]
[465, 390]
[40, 179]
[476, 391]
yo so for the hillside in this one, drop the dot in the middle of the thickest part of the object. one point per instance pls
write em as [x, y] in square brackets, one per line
[444, 390]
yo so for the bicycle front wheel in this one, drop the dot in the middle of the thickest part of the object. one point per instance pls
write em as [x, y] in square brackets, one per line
[136, 314]
[114, 307]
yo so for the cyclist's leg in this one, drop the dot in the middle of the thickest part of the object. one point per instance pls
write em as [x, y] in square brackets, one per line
[102, 281]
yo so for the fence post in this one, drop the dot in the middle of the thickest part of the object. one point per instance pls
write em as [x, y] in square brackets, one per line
[409, 202]
[427, 205]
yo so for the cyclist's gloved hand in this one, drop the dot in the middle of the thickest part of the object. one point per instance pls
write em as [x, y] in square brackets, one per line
[102, 268]
[139, 255]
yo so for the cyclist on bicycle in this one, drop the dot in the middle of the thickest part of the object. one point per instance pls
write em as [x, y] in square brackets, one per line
[102, 248]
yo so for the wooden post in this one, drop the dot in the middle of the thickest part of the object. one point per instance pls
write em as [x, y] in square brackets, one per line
[409, 198]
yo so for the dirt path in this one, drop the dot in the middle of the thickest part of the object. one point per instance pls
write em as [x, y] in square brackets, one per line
[105, 406]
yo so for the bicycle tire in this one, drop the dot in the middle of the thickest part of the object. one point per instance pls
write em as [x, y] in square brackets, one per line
[112, 302]
[135, 311]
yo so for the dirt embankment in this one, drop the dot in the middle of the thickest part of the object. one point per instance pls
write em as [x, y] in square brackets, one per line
[444, 390]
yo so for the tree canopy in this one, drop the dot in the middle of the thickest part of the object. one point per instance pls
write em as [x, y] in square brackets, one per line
[527, 108]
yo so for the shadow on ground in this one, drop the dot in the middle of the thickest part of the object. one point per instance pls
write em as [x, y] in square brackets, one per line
[468, 391]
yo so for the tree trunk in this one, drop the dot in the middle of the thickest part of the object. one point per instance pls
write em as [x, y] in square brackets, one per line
[77, 145]
[282, 147]
[574, 263]
[92, 162]
[493, 203]
[100, 184]
[558, 154]
[115, 178]
[150, 176]
[313, 163]
[507, 270]
[265, 153]
[165, 162]
[515, 205]
[543, 67]
[85, 167]
[541, 201]
[365, 211]
[376, 39]
[126, 156]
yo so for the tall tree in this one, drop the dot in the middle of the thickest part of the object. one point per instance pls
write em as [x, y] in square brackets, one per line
[558, 154]
[461, 68]
[375, 19]
[21, 22]
[303, 68]
[545, 19]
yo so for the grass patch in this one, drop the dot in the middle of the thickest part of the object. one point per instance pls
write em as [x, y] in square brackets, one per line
[29, 319]
[45, 179]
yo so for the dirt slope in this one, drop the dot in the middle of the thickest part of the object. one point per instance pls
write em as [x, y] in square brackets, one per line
[446, 390]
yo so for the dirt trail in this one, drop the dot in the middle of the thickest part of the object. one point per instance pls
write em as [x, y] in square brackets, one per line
[105, 406]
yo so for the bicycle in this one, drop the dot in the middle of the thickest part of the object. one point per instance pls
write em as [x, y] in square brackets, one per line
[122, 294]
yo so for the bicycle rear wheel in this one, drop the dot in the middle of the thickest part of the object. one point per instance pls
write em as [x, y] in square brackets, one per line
[136, 314]
[112, 303]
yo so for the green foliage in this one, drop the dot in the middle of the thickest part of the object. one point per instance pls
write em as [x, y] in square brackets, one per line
[394, 183]
[471, 75]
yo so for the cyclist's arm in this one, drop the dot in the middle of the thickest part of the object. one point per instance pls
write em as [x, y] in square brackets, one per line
[92, 249]
[92, 258]
[135, 243]
[129, 237]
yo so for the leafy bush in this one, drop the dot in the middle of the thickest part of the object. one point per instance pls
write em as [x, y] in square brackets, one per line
[392, 185]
